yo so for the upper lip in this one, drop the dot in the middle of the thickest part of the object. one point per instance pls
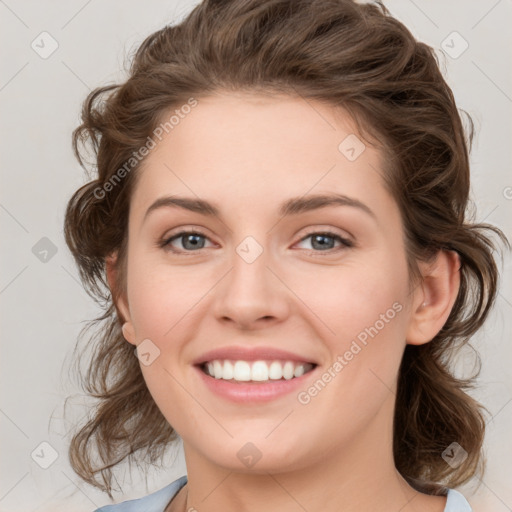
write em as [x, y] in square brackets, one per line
[241, 353]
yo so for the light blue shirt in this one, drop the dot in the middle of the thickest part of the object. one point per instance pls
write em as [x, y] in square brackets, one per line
[157, 501]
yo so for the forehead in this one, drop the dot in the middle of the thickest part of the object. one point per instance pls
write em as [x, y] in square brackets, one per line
[246, 150]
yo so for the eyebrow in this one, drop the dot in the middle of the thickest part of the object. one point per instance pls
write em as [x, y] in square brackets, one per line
[293, 206]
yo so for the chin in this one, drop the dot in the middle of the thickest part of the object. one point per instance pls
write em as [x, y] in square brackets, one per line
[259, 456]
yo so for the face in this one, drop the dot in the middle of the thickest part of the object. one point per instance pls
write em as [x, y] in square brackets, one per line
[326, 282]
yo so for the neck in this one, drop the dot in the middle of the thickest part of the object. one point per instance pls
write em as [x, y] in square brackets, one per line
[357, 475]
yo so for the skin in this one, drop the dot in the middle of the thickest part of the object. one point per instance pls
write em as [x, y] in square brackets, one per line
[247, 154]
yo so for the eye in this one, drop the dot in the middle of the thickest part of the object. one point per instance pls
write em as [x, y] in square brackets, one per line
[194, 241]
[190, 240]
[323, 241]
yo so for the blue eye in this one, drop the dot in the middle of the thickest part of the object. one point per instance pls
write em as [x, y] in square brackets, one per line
[194, 241]
[321, 240]
[191, 240]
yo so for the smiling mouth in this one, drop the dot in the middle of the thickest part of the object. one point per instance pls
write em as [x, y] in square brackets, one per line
[255, 371]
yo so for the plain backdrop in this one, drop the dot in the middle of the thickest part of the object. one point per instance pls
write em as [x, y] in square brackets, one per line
[43, 304]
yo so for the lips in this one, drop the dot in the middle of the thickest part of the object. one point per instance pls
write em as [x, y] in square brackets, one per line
[252, 393]
[237, 353]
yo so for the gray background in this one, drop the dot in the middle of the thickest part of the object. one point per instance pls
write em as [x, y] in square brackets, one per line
[43, 305]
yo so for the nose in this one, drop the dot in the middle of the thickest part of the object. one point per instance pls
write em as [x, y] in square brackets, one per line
[252, 295]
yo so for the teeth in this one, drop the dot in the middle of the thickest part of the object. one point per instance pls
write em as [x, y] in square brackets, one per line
[258, 371]
[276, 370]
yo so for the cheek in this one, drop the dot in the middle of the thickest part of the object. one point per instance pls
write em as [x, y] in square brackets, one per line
[162, 297]
[353, 297]
[365, 307]
[365, 310]
[165, 303]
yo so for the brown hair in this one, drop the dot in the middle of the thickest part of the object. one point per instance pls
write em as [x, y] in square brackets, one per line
[349, 55]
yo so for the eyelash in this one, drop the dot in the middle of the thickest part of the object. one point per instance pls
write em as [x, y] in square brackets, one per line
[165, 243]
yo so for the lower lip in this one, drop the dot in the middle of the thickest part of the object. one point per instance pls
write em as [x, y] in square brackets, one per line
[243, 392]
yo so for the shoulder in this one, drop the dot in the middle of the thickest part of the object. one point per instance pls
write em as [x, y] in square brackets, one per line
[456, 502]
[154, 502]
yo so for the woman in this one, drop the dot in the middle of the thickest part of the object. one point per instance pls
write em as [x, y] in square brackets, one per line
[278, 232]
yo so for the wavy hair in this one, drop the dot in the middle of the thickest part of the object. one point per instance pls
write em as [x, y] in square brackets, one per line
[347, 54]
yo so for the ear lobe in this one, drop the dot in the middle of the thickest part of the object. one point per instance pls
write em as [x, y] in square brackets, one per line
[434, 297]
[128, 332]
[121, 306]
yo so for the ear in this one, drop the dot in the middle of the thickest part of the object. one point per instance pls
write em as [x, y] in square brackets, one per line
[434, 297]
[123, 311]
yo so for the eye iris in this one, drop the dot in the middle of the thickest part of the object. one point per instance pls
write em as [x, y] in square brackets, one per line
[322, 245]
[193, 238]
